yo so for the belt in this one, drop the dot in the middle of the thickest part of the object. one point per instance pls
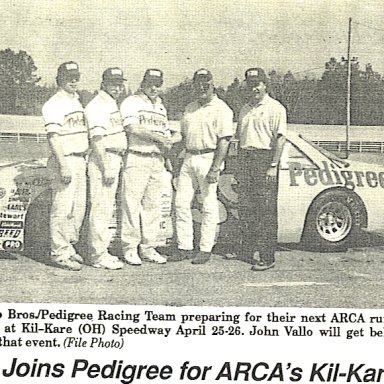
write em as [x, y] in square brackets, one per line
[200, 151]
[145, 154]
[78, 154]
[116, 151]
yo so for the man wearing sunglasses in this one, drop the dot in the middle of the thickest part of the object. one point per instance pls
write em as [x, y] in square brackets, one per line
[206, 128]
[261, 130]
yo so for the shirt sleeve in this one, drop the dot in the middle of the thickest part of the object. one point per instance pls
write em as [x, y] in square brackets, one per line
[97, 119]
[53, 118]
[129, 112]
[280, 122]
[225, 126]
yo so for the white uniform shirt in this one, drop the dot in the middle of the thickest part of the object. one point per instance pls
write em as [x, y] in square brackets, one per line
[260, 125]
[104, 119]
[203, 125]
[63, 114]
[138, 109]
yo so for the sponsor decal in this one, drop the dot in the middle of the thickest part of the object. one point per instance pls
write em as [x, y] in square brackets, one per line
[16, 207]
[3, 192]
[16, 216]
[331, 175]
[14, 245]
[11, 233]
[11, 224]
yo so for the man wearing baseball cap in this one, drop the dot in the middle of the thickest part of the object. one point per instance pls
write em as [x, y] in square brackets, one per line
[149, 139]
[109, 144]
[261, 131]
[206, 128]
[68, 140]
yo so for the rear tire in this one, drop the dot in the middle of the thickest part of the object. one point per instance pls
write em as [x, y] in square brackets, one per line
[334, 221]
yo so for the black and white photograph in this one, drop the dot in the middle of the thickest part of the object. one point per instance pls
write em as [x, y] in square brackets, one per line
[191, 191]
[192, 153]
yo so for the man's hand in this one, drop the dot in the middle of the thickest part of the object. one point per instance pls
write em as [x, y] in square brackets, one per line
[108, 178]
[272, 175]
[213, 176]
[65, 174]
[165, 142]
[168, 165]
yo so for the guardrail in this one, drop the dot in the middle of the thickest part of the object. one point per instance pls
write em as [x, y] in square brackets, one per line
[19, 137]
[335, 146]
[354, 146]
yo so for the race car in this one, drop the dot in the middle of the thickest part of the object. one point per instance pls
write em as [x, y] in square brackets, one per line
[324, 201]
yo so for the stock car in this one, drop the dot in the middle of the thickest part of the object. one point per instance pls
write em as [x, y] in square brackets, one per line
[323, 201]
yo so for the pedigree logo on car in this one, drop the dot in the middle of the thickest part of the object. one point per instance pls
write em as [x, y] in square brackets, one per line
[331, 175]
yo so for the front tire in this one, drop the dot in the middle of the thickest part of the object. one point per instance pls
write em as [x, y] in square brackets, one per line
[334, 221]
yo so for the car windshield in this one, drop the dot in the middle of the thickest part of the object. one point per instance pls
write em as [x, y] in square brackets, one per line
[334, 158]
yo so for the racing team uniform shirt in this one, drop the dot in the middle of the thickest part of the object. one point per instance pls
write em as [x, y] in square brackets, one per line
[143, 175]
[64, 115]
[104, 119]
[202, 126]
[258, 129]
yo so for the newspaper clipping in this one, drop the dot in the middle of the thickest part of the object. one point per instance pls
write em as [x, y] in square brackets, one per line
[191, 191]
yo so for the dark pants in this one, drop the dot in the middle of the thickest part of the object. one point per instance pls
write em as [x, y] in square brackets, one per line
[257, 205]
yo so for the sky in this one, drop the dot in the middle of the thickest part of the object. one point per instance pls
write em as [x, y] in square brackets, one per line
[179, 37]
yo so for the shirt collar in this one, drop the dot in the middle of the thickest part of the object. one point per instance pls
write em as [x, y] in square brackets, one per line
[106, 96]
[69, 95]
[146, 98]
[212, 101]
[265, 100]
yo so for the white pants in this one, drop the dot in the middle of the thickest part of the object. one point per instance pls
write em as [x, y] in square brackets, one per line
[142, 189]
[102, 200]
[68, 207]
[192, 176]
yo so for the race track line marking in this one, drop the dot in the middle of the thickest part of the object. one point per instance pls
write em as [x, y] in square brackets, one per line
[284, 284]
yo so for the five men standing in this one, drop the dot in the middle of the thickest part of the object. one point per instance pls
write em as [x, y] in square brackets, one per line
[206, 129]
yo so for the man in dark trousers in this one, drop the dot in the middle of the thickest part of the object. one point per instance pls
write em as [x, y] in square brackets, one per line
[261, 131]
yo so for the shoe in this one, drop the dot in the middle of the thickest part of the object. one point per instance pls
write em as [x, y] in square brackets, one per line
[108, 261]
[68, 264]
[150, 254]
[180, 254]
[77, 257]
[245, 258]
[132, 258]
[201, 257]
[262, 266]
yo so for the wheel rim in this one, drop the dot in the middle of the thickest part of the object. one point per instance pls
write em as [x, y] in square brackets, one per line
[334, 221]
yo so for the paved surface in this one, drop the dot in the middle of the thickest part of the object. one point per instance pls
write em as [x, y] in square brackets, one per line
[352, 279]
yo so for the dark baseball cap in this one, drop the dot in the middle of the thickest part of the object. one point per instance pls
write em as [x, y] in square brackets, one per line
[113, 76]
[255, 75]
[153, 76]
[68, 71]
[202, 75]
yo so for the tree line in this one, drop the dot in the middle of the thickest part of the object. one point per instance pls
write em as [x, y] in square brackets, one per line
[308, 100]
